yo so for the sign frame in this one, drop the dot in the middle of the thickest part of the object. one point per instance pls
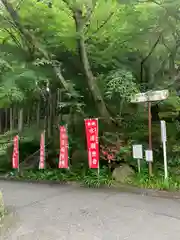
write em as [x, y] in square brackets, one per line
[149, 155]
[163, 131]
[137, 151]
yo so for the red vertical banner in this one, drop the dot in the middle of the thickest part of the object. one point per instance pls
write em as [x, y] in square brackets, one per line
[15, 156]
[63, 156]
[42, 151]
[91, 126]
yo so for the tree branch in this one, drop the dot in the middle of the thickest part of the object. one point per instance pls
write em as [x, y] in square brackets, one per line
[147, 57]
[152, 49]
[80, 22]
[33, 44]
[101, 26]
[16, 41]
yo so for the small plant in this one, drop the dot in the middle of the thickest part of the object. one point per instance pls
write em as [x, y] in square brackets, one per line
[96, 179]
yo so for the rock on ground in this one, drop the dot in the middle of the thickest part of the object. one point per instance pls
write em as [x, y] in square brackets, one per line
[123, 173]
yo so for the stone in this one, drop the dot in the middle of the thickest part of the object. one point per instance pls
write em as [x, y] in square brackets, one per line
[123, 173]
[79, 159]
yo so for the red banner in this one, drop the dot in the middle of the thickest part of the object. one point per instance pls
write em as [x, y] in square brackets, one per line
[15, 156]
[63, 156]
[42, 151]
[91, 126]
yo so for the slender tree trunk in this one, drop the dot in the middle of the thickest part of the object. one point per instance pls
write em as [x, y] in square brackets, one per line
[38, 114]
[46, 114]
[14, 117]
[20, 120]
[59, 99]
[11, 119]
[54, 96]
[28, 116]
[50, 115]
[6, 119]
[1, 115]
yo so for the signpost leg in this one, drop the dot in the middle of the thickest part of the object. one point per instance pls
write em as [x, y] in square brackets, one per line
[139, 165]
[150, 134]
[165, 161]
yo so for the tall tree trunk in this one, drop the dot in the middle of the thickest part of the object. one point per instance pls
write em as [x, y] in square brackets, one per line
[1, 115]
[20, 120]
[53, 105]
[91, 80]
[59, 99]
[49, 115]
[38, 114]
[11, 119]
[6, 119]
[14, 117]
[28, 117]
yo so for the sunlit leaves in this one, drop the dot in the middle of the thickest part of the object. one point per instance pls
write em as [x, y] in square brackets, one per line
[121, 83]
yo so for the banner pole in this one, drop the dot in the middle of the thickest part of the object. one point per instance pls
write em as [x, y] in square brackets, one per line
[97, 139]
[67, 145]
[98, 175]
[18, 152]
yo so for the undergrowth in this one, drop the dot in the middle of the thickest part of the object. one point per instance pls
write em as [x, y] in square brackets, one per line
[95, 178]
[89, 178]
[157, 181]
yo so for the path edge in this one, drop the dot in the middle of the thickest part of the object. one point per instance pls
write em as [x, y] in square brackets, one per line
[123, 188]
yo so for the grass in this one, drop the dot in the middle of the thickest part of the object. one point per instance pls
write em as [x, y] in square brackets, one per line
[157, 181]
[89, 177]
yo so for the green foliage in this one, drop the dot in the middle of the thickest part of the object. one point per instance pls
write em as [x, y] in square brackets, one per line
[131, 46]
[120, 83]
[157, 181]
[18, 80]
[89, 178]
[95, 179]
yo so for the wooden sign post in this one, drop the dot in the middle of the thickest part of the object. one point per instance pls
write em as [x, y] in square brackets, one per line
[149, 97]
